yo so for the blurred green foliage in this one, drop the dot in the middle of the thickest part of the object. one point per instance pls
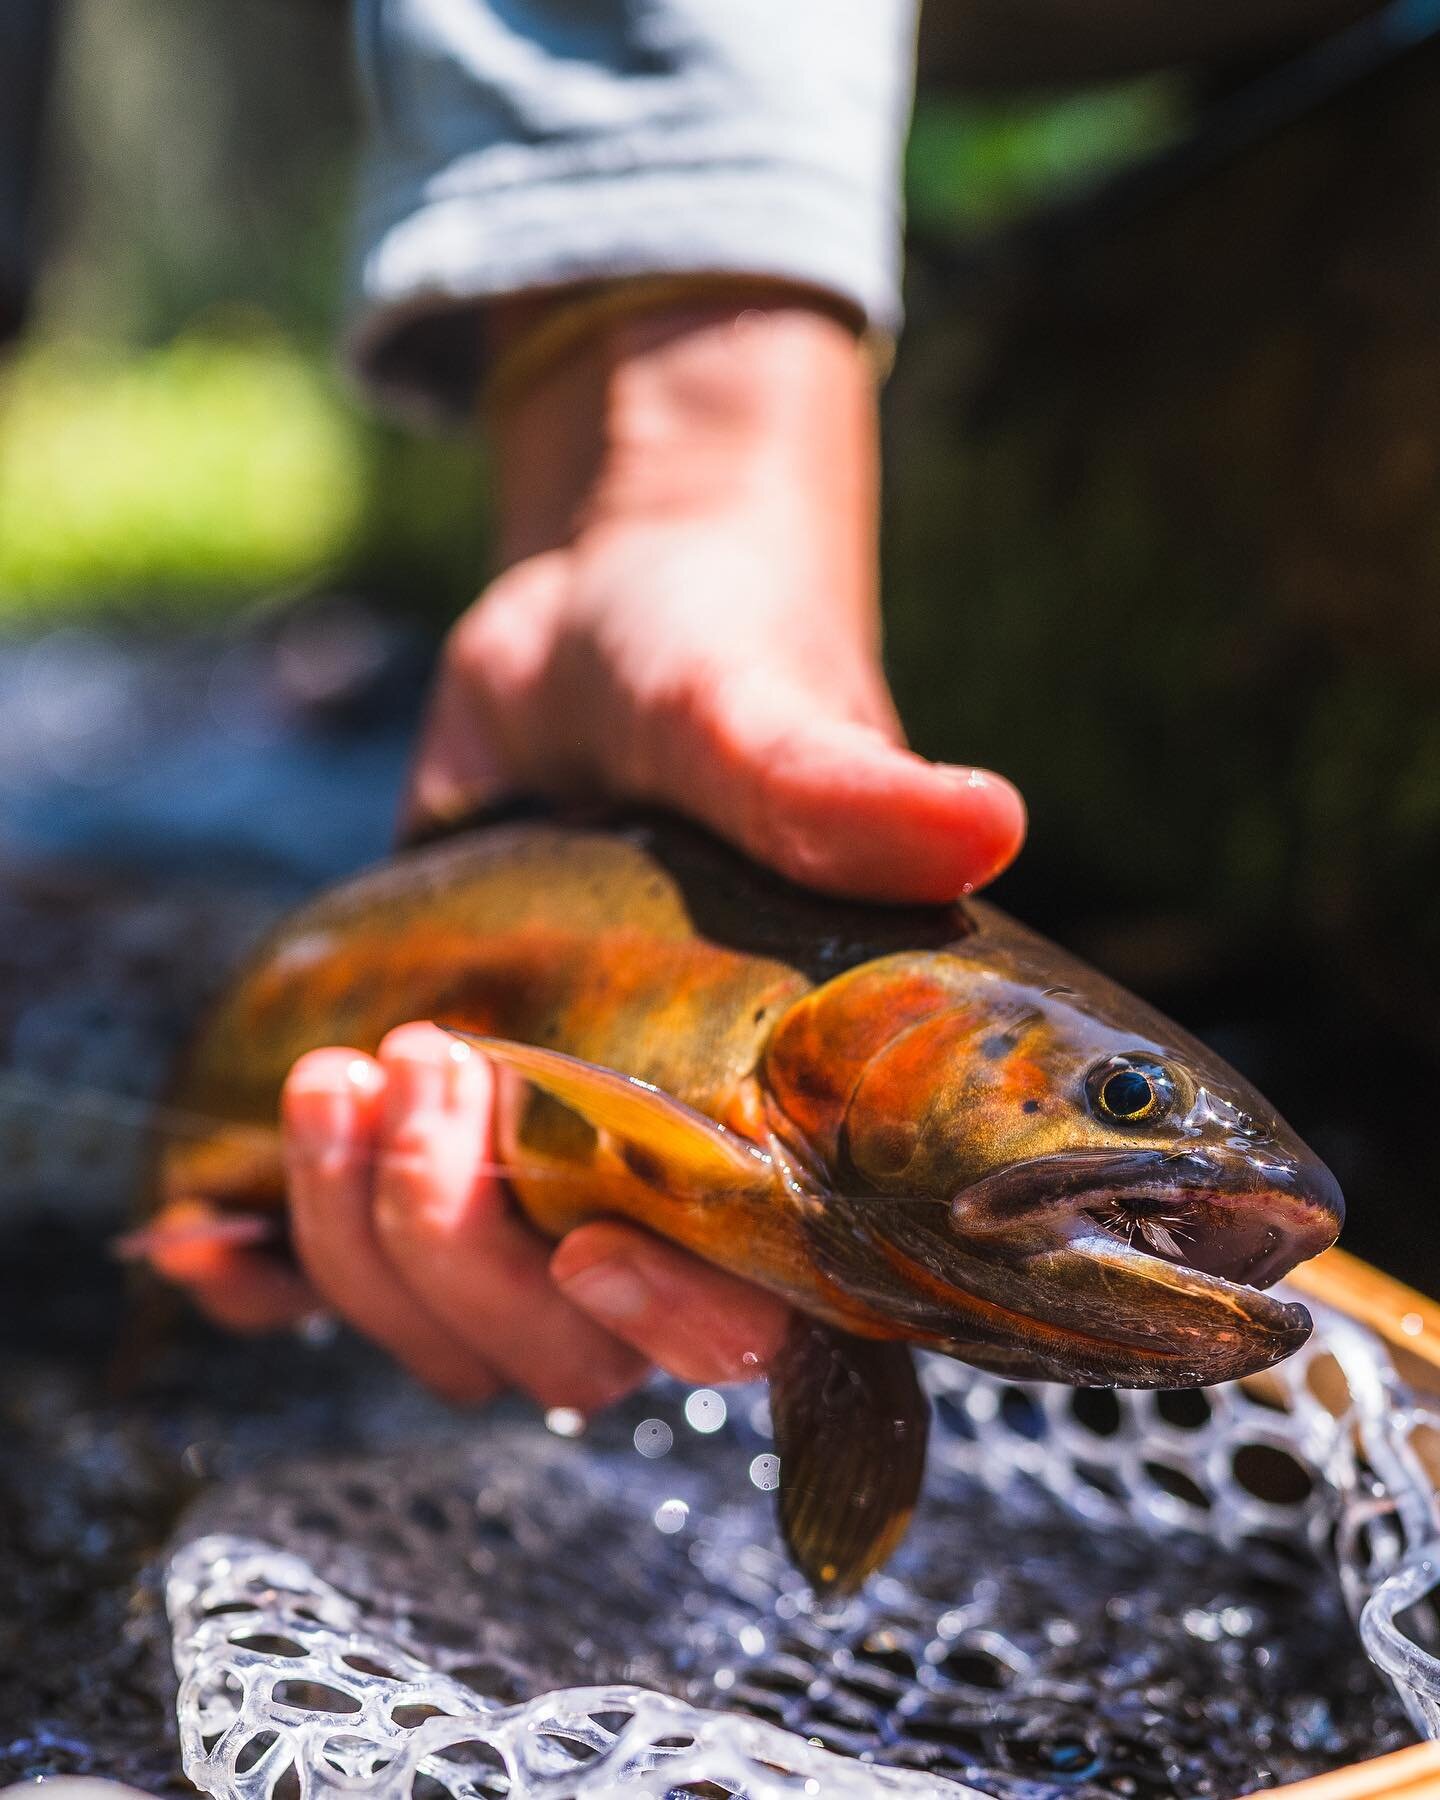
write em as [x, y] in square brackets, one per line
[975, 164]
[178, 435]
[203, 466]
[197, 476]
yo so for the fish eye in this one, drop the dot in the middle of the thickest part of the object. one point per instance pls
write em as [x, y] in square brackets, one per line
[1130, 1090]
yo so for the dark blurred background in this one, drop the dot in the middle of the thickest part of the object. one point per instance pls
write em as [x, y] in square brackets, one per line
[1163, 536]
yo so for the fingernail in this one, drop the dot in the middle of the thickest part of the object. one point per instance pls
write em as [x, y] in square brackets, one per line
[318, 1116]
[323, 1101]
[419, 1084]
[430, 1071]
[978, 780]
[612, 1291]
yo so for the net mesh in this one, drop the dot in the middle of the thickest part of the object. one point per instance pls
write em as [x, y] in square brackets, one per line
[531, 1616]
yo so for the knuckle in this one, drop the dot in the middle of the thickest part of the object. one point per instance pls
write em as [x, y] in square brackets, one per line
[320, 1168]
[592, 1388]
[404, 1183]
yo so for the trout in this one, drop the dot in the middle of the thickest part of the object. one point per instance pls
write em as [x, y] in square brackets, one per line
[922, 1127]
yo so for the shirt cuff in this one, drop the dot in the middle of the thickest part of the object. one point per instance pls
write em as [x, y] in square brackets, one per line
[430, 264]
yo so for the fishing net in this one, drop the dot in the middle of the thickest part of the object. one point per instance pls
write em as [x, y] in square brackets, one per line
[1102, 1593]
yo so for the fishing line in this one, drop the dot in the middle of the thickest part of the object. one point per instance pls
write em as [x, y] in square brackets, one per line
[119, 1109]
[153, 1117]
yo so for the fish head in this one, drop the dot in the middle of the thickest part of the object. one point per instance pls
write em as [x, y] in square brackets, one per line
[1050, 1179]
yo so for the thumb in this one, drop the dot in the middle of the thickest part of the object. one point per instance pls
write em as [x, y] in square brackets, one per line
[840, 806]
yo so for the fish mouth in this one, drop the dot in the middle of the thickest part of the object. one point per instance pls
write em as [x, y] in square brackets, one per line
[1250, 1240]
[1150, 1268]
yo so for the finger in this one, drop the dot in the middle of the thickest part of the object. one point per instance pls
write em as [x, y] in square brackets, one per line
[192, 1245]
[330, 1113]
[696, 1322]
[840, 806]
[456, 1239]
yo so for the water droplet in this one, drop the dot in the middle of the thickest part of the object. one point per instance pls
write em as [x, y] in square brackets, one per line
[752, 1640]
[653, 1437]
[765, 1472]
[670, 1516]
[564, 1421]
[705, 1410]
[1412, 1324]
[983, 1404]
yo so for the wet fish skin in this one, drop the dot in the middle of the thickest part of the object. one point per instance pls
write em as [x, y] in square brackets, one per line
[896, 1119]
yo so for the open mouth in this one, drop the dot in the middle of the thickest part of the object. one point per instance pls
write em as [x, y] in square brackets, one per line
[1236, 1224]
[1247, 1240]
[1151, 1264]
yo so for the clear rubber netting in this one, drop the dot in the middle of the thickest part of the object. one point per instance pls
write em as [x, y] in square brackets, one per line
[533, 1615]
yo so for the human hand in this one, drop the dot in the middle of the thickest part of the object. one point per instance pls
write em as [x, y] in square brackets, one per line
[405, 1231]
[688, 615]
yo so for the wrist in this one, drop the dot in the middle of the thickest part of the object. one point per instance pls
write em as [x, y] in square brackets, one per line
[682, 406]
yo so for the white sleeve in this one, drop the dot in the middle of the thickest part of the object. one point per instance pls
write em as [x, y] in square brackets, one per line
[524, 144]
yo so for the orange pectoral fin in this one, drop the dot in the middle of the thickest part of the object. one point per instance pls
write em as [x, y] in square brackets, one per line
[213, 1195]
[688, 1152]
[190, 1239]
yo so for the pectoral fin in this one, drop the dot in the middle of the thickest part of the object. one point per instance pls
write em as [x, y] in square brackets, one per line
[694, 1153]
[851, 1425]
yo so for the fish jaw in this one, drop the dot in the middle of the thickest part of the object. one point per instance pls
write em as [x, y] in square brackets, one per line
[1138, 1269]
[1111, 1315]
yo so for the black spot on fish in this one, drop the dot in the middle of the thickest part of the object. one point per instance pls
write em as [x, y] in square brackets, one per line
[809, 1082]
[999, 1044]
[1031, 1106]
[643, 1164]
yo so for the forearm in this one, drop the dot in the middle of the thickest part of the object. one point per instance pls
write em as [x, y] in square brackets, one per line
[690, 409]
